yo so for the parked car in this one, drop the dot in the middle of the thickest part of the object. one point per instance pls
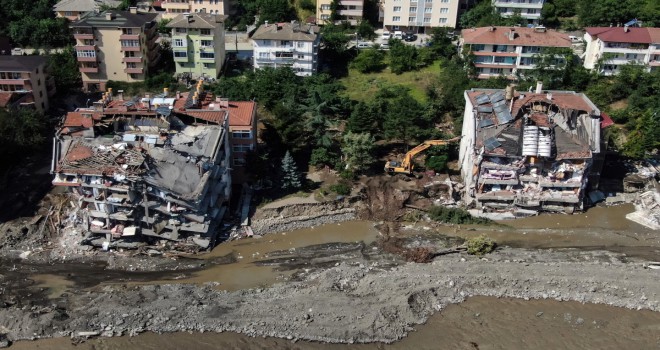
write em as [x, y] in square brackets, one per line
[384, 46]
[410, 37]
[398, 34]
[364, 44]
[386, 36]
[574, 39]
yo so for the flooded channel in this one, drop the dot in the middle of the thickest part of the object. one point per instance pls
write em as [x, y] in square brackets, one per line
[479, 323]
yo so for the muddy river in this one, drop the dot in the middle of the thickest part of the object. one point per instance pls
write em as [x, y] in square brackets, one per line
[479, 323]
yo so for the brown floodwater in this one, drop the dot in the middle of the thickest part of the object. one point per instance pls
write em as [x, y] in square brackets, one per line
[479, 323]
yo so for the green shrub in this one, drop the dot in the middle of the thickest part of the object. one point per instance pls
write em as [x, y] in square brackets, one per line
[455, 216]
[480, 245]
[342, 188]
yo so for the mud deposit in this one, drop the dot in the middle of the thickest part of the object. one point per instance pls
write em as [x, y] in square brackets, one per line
[477, 323]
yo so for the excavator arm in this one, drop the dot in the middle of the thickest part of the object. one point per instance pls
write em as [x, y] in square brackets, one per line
[406, 166]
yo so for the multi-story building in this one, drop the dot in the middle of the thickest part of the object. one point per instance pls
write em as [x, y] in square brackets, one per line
[419, 16]
[292, 45]
[347, 10]
[176, 7]
[509, 51]
[608, 48]
[116, 45]
[73, 10]
[24, 82]
[528, 9]
[530, 151]
[198, 44]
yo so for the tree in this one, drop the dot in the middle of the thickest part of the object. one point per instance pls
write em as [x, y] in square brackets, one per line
[21, 131]
[63, 67]
[482, 15]
[162, 26]
[334, 11]
[405, 120]
[358, 151]
[275, 11]
[402, 57]
[365, 30]
[437, 157]
[441, 44]
[290, 179]
[369, 60]
[361, 119]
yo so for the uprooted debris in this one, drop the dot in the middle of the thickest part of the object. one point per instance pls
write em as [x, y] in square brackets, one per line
[647, 211]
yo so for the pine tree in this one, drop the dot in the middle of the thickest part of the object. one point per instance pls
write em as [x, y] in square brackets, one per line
[290, 175]
[358, 150]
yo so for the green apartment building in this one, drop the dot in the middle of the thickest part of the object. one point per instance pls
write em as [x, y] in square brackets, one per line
[198, 44]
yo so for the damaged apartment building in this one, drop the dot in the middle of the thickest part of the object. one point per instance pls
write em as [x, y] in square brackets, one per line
[148, 169]
[530, 151]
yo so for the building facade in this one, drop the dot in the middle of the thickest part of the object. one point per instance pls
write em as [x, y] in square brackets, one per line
[73, 10]
[419, 16]
[24, 82]
[530, 151]
[174, 8]
[292, 45]
[528, 9]
[608, 48]
[198, 44]
[116, 45]
[348, 10]
[509, 51]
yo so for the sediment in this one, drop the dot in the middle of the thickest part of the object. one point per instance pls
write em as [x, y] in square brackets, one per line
[349, 303]
[296, 216]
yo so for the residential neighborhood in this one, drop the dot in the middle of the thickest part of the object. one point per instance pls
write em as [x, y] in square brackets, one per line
[442, 174]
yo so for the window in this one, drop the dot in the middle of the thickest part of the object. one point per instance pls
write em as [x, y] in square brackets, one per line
[178, 43]
[428, 10]
[300, 45]
[38, 82]
[68, 13]
[429, 1]
[207, 55]
[411, 19]
[280, 54]
[242, 148]
[396, 19]
[301, 57]
[427, 19]
[207, 43]
[325, 17]
[127, 31]
[285, 43]
[397, 8]
[444, 1]
[88, 42]
[205, 32]
[264, 55]
[412, 9]
[496, 70]
[180, 30]
[131, 65]
[239, 161]
[631, 56]
[130, 43]
[241, 134]
[531, 11]
[41, 94]
[442, 20]
[325, 7]
[266, 42]
[478, 47]
[86, 53]
[208, 65]
[180, 54]
[444, 10]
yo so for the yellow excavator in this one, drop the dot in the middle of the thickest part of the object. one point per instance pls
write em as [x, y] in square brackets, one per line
[407, 165]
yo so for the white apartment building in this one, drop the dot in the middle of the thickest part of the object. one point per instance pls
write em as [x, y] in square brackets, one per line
[287, 44]
[176, 7]
[508, 51]
[608, 48]
[349, 10]
[528, 9]
[419, 15]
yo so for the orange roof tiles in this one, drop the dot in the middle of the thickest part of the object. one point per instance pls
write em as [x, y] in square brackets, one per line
[241, 113]
[79, 152]
[523, 37]
[5, 99]
[620, 35]
[77, 119]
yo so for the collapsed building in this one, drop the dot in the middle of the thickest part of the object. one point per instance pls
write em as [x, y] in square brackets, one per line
[143, 171]
[530, 151]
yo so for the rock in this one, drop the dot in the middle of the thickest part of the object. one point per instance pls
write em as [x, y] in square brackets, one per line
[539, 314]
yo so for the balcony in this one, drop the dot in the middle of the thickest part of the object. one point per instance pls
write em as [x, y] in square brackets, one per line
[134, 70]
[85, 47]
[83, 36]
[131, 48]
[351, 3]
[535, 5]
[350, 13]
[129, 37]
[625, 50]
[14, 81]
[86, 59]
[175, 5]
[88, 69]
[136, 59]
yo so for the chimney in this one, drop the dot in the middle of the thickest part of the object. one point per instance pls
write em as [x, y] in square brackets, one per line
[133, 10]
[190, 18]
[178, 94]
[165, 92]
[539, 87]
[491, 29]
[512, 34]
[98, 106]
[108, 16]
[266, 23]
[626, 29]
[120, 95]
[510, 92]
[109, 94]
[549, 96]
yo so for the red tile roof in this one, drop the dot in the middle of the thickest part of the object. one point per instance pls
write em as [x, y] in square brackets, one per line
[213, 116]
[620, 35]
[79, 152]
[5, 99]
[77, 119]
[523, 36]
[241, 113]
[605, 121]
[655, 35]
